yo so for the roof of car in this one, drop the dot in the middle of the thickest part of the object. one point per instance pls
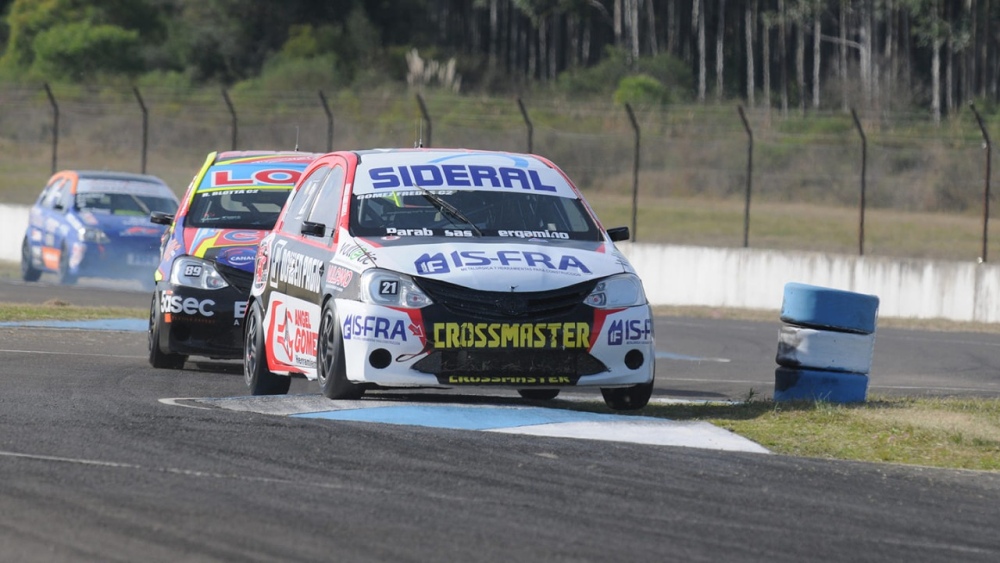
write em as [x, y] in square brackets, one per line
[113, 175]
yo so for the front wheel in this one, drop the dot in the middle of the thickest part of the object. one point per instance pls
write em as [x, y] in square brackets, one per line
[331, 370]
[260, 380]
[628, 398]
[28, 271]
[157, 357]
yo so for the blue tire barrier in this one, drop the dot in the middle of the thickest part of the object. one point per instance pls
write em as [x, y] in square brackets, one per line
[825, 350]
[814, 385]
[821, 307]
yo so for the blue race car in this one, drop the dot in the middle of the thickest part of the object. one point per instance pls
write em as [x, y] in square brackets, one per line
[96, 224]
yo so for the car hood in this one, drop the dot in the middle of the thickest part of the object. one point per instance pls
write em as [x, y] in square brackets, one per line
[494, 265]
[236, 248]
[116, 226]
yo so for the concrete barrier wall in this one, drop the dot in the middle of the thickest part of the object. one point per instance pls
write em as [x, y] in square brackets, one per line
[755, 278]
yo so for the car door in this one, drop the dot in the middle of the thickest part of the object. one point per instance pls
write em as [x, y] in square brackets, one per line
[292, 282]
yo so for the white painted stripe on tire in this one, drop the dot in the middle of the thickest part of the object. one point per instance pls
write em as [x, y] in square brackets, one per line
[825, 350]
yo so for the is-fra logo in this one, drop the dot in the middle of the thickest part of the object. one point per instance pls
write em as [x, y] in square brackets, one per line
[629, 331]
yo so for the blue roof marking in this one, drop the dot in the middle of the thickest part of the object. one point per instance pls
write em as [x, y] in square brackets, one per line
[458, 417]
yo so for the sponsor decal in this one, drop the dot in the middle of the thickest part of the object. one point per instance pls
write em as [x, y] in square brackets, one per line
[507, 380]
[260, 273]
[170, 303]
[534, 234]
[338, 277]
[137, 231]
[401, 194]
[295, 335]
[369, 327]
[457, 233]
[237, 177]
[631, 331]
[457, 175]
[558, 336]
[237, 256]
[355, 253]
[295, 269]
[241, 237]
[441, 263]
[409, 232]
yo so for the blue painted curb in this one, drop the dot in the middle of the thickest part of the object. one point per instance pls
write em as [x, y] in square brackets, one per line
[126, 325]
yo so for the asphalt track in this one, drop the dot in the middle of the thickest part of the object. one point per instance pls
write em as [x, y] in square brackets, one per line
[103, 458]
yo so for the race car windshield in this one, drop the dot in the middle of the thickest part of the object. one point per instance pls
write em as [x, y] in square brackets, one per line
[480, 213]
[237, 209]
[123, 203]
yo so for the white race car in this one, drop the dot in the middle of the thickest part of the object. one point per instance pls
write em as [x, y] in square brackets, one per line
[445, 268]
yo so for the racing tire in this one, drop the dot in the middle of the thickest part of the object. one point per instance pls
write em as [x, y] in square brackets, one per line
[331, 368]
[538, 394]
[628, 398]
[157, 357]
[28, 271]
[812, 306]
[260, 380]
[65, 276]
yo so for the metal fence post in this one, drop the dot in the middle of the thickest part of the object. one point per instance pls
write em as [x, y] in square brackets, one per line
[55, 126]
[986, 190]
[232, 112]
[329, 122]
[527, 122]
[145, 126]
[635, 174]
[864, 166]
[746, 207]
[427, 120]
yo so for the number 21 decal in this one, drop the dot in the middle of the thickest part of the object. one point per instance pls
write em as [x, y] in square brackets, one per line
[388, 287]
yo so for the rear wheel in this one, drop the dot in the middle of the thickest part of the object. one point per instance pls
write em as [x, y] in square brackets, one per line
[158, 358]
[628, 398]
[331, 370]
[260, 380]
[66, 277]
[539, 394]
[28, 271]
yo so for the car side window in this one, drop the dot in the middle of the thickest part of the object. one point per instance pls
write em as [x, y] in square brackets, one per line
[66, 199]
[53, 193]
[299, 205]
[326, 208]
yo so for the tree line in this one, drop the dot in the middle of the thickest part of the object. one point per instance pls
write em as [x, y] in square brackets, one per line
[794, 55]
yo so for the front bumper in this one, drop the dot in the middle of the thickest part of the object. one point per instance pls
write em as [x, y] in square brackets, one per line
[201, 322]
[586, 347]
[135, 260]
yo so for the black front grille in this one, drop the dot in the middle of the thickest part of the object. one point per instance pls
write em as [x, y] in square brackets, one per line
[241, 280]
[503, 305]
[510, 363]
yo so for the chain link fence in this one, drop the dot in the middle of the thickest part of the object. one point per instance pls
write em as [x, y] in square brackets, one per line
[924, 182]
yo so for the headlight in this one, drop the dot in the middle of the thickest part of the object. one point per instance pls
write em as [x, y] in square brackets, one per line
[384, 287]
[622, 290]
[195, 272]
[91, 234]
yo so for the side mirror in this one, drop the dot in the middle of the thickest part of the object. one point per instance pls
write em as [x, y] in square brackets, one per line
[618, 234]
[161, 218]
[313, 229]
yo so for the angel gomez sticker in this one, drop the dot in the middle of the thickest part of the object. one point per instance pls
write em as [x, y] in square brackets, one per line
[553, 336]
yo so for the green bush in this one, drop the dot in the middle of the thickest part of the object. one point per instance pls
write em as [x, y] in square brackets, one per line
[641, 90]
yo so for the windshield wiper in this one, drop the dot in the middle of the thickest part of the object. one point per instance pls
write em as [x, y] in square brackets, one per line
[448, 209]
[142, 206]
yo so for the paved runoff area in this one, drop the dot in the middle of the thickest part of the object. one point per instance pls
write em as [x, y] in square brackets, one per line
[529, 420]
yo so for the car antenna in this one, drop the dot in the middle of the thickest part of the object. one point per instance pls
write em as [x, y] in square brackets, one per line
[296, 138]
[420, 136]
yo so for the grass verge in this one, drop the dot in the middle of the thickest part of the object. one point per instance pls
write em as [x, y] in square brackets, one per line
[955, 433]
[55, 310]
